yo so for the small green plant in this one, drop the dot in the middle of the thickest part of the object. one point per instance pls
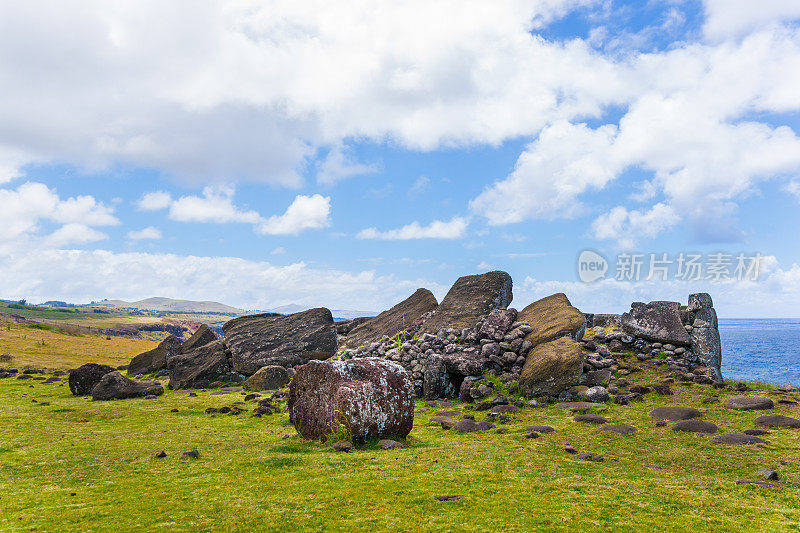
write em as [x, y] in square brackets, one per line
[661, 355]
[338, 431]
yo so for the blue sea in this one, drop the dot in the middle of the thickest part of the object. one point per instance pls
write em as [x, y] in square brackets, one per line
[761, 349]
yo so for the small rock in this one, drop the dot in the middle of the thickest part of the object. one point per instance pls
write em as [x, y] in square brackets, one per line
[590, 418]
[750, 403]
[448, 498]
[777, 421]
[173, 410]
[756, 432]
[737, 439]
[620, 429]
[343, 446]
[161, 454]
[674, 413]
[193, 454]
[695, 426]
[540, 429]
[532, 435]
[767, 473]
[570, 450]
[388, 444]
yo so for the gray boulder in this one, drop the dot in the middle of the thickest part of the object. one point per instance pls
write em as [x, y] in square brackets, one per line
[200, 367]
[706, 343]
[445, 373]
[393, 321]
[470, 299]
[155, 359]
[657, 322]
[268, 339]
[115, 386]
[369, 398]
[267, 378]
[201, 337]
[83, 379]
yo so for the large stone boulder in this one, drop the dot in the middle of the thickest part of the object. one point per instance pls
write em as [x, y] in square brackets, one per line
[552, 367]
[200, 367]
[267, 339]
[369, 398]
[155, 359]
[706, 343]
[267, 378]
[552, 317]
[657, 322]
[201, 337]
[394, 320]
[115, 386]
[83, 379]
[444, 373]
[470, 299]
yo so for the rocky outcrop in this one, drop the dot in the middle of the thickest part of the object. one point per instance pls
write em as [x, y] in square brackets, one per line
[553, 317]
[267, 339]
[83, 379]
[202, 336]
[552, 367]
[470, 299]
[115, 386]
[344, 327]
[200, 367]
[393, 321]
[155, 359]
[367, 398]
[445, 373]
[267, 378]
[657, 322]
[704, 332]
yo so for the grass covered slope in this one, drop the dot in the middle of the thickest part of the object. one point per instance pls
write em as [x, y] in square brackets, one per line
[251, 477]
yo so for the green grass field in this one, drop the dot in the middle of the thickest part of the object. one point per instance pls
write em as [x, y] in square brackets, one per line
[72, 464]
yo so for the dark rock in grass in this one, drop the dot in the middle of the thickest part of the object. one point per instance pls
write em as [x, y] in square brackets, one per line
[551, 367]
[756, 432]
[83, 379]
[620, 429]
[343, 446]
[115, 386]
[750, 403]
[540, 429]
[590, 418]
[737, 439]
[268, 339]
[674, 413]
[202, 336]
[767, 473]
[388, 444]
[595, 377]
[470, 299]
[570, 450]
[590, 457]
[663, 389]
[574, 405]
[393, 321]
[193, 454]
[219, 393]
[497, 409]
[777, 421]
[472, 426]
[710, 399]
[224, 410]
[501, 431]
[161, 454]
[173, 410]
[155, 359]
[267, 378]
[448, 498]
[695, 426]
[640, 389]
[531, 435]
[200, 367]
[372, 398]
[449, 413]
[211, 410]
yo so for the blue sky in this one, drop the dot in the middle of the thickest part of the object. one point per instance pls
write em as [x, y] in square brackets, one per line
[295, 152]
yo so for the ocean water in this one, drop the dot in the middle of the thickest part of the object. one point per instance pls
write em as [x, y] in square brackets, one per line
[761, 349]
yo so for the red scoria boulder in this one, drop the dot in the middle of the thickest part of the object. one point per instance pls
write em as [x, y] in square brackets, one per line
[371, 398]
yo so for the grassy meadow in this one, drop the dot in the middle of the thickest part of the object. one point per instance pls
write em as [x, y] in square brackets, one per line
[73, 464]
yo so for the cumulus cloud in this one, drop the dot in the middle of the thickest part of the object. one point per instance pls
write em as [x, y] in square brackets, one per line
[339, 164]
[216, 205]
[305, 212]
[626, 227]
[732, 18]
[153, 201]
[73, 233]
[148, 233]
[452, 229]
[31, 203]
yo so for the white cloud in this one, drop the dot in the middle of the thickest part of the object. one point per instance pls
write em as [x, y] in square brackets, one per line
[453, 229]
[484, 266]
[216, 205]
[305, 212]
[793, 188]
[339, 164]
[72, 233]
[149, 232]
[732, 18]
[420, 185]
[24, 208]
[153, 201]
[626, 227]
[278, 251]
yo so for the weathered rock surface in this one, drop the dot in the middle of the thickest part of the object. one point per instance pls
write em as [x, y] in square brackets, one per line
[83, 379]
[201, 337]
[472, 426]
[267, 378]
[620, 429]
[750, 403]
[737, 439]
[394, 320]
[552, 317]
[552, 367]
[155, 359]
[777, 421]
[656, 321]
[469, 299]
[372, 398]
[267, 339]
[695, 426]
[115, 386]
[200, 367]
[674, 413]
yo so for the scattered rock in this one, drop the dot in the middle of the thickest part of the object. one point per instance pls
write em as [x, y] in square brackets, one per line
[674, 413]
[570, 450]
[448, 498]
[777, 421]
[115, 386]
[388, 444]
[343, 446]
[695, 426]
[737, 439]
[83, 379]
[193, 454]
[663, 389]
[540, 429]
[532, 435]
[750, 403]
[471, 426]
[590, 418]
[756, 432]
[161, 454]
[596, 394]
[373, 398]
[767, 473]
[621, 429]
[445, 421]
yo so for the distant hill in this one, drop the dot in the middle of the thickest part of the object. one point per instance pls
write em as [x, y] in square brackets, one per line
[170, 305]
[338, 314]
